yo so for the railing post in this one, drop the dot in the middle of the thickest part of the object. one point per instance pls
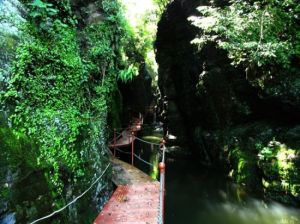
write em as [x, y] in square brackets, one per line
[162, 170]
[132, 147]
[115, 141]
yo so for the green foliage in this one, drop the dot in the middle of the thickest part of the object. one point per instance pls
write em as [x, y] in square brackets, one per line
[278, 163]
[162, 4]
[58, 94]
[44, 14]
[41, 9]
[110, 39]
[260, 33]
[106, 57]
[57, 91]
[142, 19]
[244, 167]
[46, 91]
[13, 148]
[126, 75]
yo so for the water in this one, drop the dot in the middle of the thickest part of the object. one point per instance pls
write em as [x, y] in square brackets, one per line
[197, 194]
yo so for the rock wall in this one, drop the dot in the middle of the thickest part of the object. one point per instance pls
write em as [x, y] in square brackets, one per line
[25, 192]
[178, 67]
[221, 112]
[136, 95]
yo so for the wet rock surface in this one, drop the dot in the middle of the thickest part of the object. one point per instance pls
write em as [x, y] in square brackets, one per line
[125, 174]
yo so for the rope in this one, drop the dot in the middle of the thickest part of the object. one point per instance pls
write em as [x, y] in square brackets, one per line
[119, 150]
[72, 202]
[147, 142]
[140, 139]
[135, 155]
[119, 135]
[150, 164]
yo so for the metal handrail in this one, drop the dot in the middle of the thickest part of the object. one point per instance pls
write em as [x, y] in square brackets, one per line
[162, 169]
[161, 166]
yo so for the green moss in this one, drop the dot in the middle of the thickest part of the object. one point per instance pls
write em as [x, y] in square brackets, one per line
[59, 91]
[115, 110]
[278, 162]
[17, 149]
[244, 168]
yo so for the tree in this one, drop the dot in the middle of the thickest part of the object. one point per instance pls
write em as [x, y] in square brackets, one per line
[255, 33]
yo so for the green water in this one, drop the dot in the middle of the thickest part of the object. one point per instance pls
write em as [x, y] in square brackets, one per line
[198, 194]
[202, 195]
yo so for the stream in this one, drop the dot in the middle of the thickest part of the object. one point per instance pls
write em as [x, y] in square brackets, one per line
[197, 194]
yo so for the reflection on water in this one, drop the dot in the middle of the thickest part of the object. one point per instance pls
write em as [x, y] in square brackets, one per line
[154, 160]
[253, 212]
[197, 194]
[201, 195]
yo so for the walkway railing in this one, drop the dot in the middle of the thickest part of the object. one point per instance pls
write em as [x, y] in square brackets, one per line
[161, 166]
[133, 155]
[162, 170]
[75, 199]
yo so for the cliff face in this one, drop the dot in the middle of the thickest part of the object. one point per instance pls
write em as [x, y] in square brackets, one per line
[223, 114]
[178, 67]
[26, 190]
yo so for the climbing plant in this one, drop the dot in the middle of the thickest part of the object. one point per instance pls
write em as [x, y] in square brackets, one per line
[46, 91]
[58, 87]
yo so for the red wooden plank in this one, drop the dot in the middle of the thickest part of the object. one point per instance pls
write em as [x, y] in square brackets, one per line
[132, 204]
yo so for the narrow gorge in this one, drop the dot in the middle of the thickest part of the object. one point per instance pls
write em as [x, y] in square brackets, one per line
[218, 80]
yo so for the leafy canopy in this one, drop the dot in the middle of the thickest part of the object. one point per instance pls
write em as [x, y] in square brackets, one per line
[255, 33]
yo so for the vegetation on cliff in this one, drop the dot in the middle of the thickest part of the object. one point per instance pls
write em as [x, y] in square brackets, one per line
[230, 73]
[261, 40]
[255, 33]
[57, 83]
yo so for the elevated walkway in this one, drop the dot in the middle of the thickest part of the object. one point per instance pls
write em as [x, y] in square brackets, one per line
[136, 199]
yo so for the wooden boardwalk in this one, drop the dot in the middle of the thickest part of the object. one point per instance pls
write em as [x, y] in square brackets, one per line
[136, 199]
[124, 139]
[127, 136]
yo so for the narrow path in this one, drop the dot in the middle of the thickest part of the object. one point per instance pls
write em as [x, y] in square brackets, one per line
[127, 136]
[136, 199]
[126, 174]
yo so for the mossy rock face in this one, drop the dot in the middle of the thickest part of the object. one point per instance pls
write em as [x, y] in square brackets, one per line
[244, 169]
[279, 164]
[257, 161]
[23, 183]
